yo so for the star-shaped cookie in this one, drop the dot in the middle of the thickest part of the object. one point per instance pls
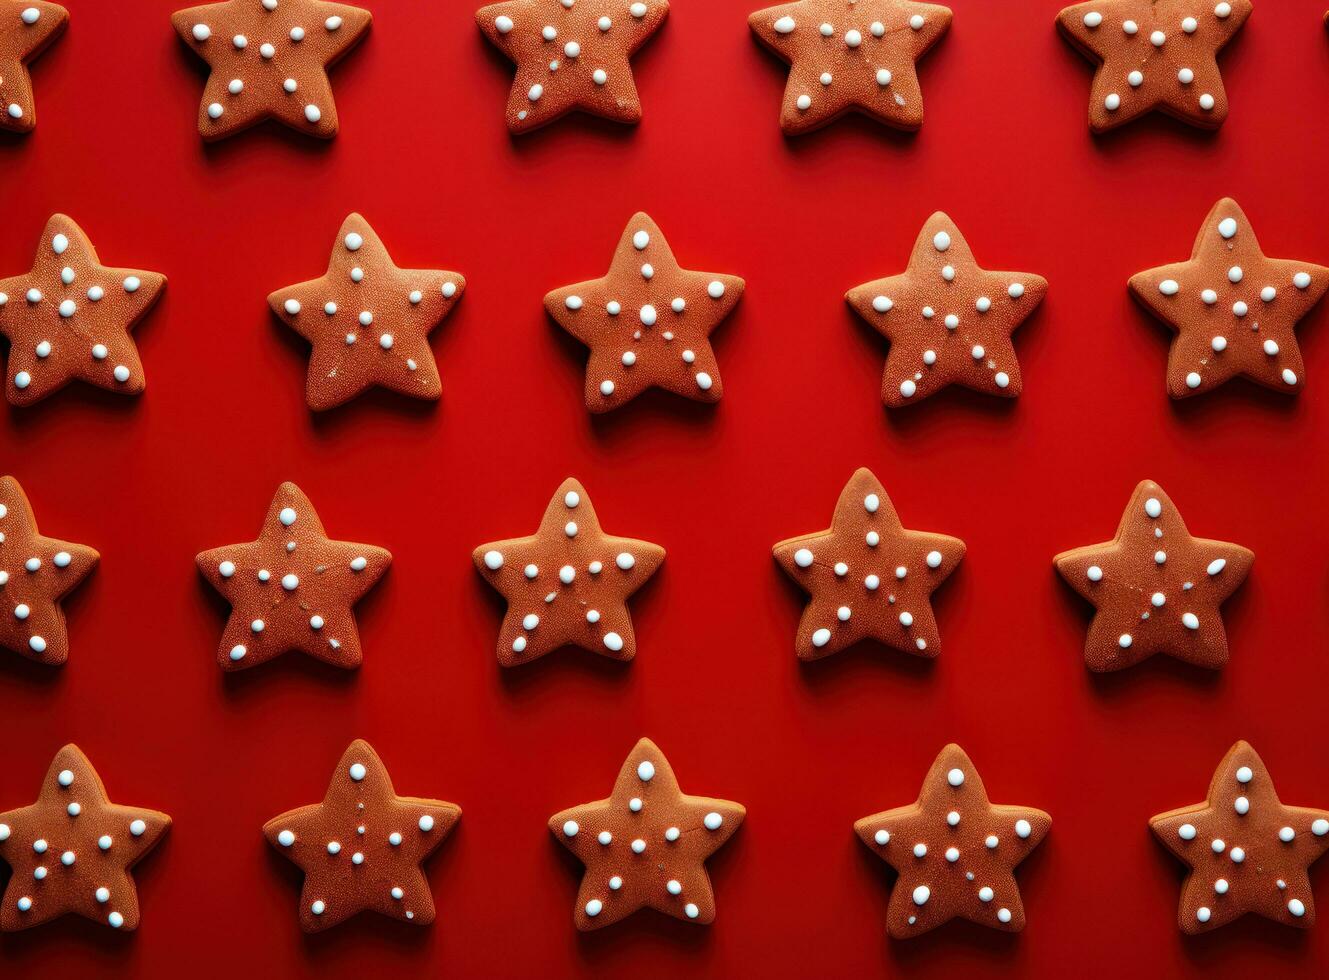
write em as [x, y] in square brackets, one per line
[293, 588]
[69, 318]
[571, 55]
[71, 851]
[36, 572]
[648, 322]
[646, 845]
[27, 28]
[948, 320]
[361, 848]
[867, 576]
[269, 59]
[1154, 54]
[1233, 309]
[368, 321]
[851, 55]
[955, 851]
[1156, 589]
[568, 584]
[1247, 851]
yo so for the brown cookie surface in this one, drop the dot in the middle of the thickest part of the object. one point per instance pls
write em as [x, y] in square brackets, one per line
[71, 851]
[568, 584]
[647, 322]
[362, 847]
[269, 60]
[36, 572]
[948, 320]
[27, 28]
[1233, 309]
[69, 318]
[955, 851]
[367, 321]
[1155, 588]
[851, 55]
[646, 845]
[1154, 54]
[1246, 850]
[293, 588]
[868, 577]
[571, 55]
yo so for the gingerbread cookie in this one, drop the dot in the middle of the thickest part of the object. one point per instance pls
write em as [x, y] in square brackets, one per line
[69, 318]
[1247, 851]
[647, 322]
[1156, 589]
[27, 28]
[362, 847]
[867, 576]
[1154, 54]
[568, 584]
[269, 59]
[71, 851]
[36, 572]
[851, 55]
[368, 321]
[571, 54]
[293, 588]
[948, 320]
[955, 851]
[1233, 309]
[646, 845]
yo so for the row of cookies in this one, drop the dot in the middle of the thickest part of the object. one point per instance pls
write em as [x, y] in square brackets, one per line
[1156, 588]
[645, 846]
[268, 59]
[647, 322]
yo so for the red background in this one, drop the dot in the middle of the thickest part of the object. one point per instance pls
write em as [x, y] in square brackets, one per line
[424, 155]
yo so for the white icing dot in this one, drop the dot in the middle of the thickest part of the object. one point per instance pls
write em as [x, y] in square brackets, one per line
[921, 894]
[358, 771]
[712, 821]
[1124, 640]
[1190, 621]
[1093, 19]
[613, 642]
[1113, 102]
[1296, 907]
[715, 289]
[941, 241]
[934, 559]
[202, 32]
[955, 777]
[821, 637]
[1023, 829]
[916, 22]
[1320, 827]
